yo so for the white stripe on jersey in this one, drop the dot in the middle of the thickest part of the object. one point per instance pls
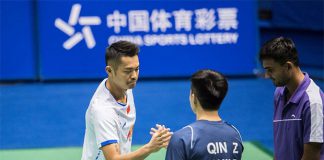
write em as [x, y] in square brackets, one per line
[192, 132]
[238, 133]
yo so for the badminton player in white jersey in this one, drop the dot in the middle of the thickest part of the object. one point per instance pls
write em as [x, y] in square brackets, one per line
[111, 114]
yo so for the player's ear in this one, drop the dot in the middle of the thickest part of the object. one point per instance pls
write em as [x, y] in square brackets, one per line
[195, 100]
[193, 97]
[289, 65]
[108, 70]
[192, 101]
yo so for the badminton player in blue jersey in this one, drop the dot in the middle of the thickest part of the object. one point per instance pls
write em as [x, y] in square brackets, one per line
[209, 137]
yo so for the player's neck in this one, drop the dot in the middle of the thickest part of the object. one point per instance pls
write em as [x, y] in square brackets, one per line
[207, 115]
[116, 92]
[295, 81]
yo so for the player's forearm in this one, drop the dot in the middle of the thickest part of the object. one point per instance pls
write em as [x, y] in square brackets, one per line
[312, 151]
[311, 157]
[160, 138]
[139, 154]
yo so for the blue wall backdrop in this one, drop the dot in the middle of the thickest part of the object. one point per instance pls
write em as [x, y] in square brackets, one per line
[303, 22]
[175, 40]
[17, 43]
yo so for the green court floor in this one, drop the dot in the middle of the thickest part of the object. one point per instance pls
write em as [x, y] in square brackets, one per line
[252, 151]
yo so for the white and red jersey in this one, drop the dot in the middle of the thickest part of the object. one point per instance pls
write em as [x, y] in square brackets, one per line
[107, 122]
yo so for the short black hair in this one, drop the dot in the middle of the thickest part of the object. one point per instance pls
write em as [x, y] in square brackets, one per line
[210, 88]
[281, 50]
[119, 49]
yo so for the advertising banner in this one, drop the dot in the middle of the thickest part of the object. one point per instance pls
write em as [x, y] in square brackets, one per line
[176, 38]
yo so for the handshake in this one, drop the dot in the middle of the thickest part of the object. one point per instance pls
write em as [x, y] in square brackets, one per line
[160, 138]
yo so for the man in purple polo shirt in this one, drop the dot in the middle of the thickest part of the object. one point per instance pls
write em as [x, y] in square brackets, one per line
[298, 104]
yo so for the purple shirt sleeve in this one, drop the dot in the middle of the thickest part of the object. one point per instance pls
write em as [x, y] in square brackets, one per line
[307, 124]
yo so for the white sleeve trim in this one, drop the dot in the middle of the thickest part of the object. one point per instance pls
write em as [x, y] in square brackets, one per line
[316, 133]
[316, 111]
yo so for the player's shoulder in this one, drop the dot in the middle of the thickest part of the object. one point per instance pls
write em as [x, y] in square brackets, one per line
[181, 136]
[185, 136]
[232, 129]
[101, 108]
[229, 125]
[102, 102]
[313, 93]
[102, 97]
[185, 131]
